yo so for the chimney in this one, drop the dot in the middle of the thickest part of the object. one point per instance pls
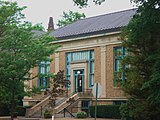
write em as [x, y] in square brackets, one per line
[50, 24]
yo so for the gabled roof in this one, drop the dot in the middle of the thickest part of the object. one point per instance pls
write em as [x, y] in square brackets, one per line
[95, 25]
[38, 33]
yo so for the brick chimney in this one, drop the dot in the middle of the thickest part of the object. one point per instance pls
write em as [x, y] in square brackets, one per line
[50, 24]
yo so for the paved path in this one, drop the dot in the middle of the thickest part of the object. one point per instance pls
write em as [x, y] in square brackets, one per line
[79, 119]
[8, 118]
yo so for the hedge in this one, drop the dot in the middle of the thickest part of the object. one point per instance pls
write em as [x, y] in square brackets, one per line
[5, 110]
[106, 111]
[21, 111]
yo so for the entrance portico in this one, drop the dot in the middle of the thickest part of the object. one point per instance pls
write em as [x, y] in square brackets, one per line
[79, 81]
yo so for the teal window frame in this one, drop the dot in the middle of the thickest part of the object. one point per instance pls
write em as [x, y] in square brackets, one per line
[68, 66]
[43, 77]
[119, 54]
[91, 68]
[77, 56]
[76, 80]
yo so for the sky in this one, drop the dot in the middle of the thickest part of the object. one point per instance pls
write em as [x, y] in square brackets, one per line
[39, 11]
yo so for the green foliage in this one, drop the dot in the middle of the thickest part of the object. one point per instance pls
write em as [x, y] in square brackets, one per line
[69, 18]
[20, 50]
[106, 111]
[47, 114]
[34, 90]
[84, 3]
[142, 39]
[21, 110]
[125, 112]
[81, 114]
[9, 13]
[4, 109]
[38, 27]
[138, 110]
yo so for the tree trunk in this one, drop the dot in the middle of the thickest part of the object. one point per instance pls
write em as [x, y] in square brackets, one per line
[12, 105]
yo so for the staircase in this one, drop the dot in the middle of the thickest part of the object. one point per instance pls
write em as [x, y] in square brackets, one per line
[61, 104]
[37, 110]
[66, 102]
[71, 100]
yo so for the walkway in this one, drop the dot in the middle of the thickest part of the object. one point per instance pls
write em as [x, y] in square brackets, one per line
[79, 119]
[8, 118]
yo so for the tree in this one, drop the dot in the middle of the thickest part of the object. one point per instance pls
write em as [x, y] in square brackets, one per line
[59, 86]
[84, 3]
[20, 50]
[142, 39]
[70, 17]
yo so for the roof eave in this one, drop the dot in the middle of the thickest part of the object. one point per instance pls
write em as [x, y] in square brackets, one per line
[88, 35]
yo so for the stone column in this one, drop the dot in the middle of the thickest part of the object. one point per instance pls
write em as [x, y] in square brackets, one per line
[56, 62]
[103, 70]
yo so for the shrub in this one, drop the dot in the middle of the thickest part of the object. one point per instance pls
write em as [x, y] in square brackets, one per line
[47, 114]
[21, 111]
[124, 111]
[27, 107]
[81, 114]
[15, 114]
[4, 110]
[106, 111]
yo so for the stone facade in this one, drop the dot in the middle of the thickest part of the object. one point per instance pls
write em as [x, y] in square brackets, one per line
[103, 47]
[103, 60]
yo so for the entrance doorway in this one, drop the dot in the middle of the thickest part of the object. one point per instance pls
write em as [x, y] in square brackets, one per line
[79, 80]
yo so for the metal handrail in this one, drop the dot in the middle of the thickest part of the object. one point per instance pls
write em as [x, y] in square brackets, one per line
[38, 106]
[61, 101]
[65, 109]
[71, 94]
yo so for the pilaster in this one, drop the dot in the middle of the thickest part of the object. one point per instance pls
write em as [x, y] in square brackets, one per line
[56, 62]
[103, 70]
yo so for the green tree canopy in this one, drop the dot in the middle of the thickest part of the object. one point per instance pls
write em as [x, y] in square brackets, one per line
[70, 17]
[84, 3]
[20, 50]
[142, 39]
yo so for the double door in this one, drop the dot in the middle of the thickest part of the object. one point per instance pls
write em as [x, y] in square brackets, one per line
[79, 80]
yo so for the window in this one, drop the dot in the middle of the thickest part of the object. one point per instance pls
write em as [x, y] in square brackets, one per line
[78, 56]
[43, 74]
[119, 54]
[68, 65]
[85, 104]
[91, 70]
[119, 102]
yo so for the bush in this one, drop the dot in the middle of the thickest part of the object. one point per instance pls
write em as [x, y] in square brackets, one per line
[106, 111]
[124, 111]
[86, 110]
[81, 114]
[4, 110]
[47, 114]
[15, 114]
[21, 111]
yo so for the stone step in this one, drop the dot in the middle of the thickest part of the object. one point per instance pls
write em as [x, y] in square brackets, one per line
[5, 118]
[18, 118]
[23, 118]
